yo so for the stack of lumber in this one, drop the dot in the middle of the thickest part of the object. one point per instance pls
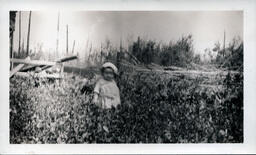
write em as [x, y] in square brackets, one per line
[38, 68]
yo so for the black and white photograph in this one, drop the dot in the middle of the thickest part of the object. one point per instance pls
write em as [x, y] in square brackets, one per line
[79, 77]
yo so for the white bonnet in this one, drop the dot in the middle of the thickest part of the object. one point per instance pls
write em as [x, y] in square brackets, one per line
[110, 65]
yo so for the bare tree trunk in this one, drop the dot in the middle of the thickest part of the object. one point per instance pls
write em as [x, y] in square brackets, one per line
[73, 48]
[19, 32]
[224, 42]
[67, 42]
[22, 47]
[101, 53]
[119, 54]
[11, 31]
[58, 29]
[29, 22]
[90, 50]
[86, 50]
[11, 50]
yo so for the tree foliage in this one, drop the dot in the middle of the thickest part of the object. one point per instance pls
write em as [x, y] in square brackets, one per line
[232, 56]
[180, 53]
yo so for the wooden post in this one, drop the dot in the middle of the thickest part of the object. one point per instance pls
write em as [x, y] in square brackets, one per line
[90, 50]
[11, 49]
[62, 70]
[119, 54]
[121, 48]
[58, 29]
[101, 53]
[86, 50]
[224, 42]
[29, 22]
[19, 32]
[22, 47]
[73, 48]
[67, 42]
[12, 29]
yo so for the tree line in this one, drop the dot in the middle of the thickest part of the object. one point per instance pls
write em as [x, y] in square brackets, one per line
[182, 53]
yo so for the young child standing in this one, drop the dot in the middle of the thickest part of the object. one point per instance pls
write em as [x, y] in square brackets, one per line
[106, 92]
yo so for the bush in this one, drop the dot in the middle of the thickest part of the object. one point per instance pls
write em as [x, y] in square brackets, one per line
[232, 56]
[155, 109]
[180, 53]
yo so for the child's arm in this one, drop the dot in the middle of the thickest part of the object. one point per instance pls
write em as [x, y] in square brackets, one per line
[96, 94]
[95, 98]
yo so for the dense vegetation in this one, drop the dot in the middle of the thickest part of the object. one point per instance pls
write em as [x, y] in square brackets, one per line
[180, 53]
[230, 57]
[155, 109]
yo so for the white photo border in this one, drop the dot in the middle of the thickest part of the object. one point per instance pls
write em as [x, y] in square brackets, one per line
[249, 11]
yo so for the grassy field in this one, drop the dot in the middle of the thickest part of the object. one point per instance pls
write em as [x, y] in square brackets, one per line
[157, 107]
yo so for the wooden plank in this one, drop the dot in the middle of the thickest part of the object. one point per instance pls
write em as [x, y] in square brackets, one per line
[33, 62]
[45, 67]
[43, 64]
[50, 76]
[67, 59]
[60, 61]
[30, 68]
[16, 69]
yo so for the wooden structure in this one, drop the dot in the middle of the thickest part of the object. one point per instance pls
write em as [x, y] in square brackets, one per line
[39, 68]
[11, 31]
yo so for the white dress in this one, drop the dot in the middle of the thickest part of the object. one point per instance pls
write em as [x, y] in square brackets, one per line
[108, 93]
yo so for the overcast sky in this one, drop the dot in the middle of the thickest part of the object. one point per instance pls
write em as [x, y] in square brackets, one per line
[206, 27]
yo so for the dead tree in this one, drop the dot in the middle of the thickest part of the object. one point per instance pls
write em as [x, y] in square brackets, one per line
[19, 32]
[73, 48]
[11, 31]
[224, 42]
[58, 29]
[67, 41]
[119, 54]
[29, 23]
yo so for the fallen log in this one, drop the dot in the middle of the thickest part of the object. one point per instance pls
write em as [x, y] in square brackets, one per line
[33, 62]
[67, 59]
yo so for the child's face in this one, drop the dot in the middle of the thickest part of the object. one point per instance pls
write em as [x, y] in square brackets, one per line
[108, 74]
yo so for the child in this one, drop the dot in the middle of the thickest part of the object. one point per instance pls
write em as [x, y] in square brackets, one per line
[106, 92]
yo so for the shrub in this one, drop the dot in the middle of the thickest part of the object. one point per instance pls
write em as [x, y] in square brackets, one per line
[156, 108]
